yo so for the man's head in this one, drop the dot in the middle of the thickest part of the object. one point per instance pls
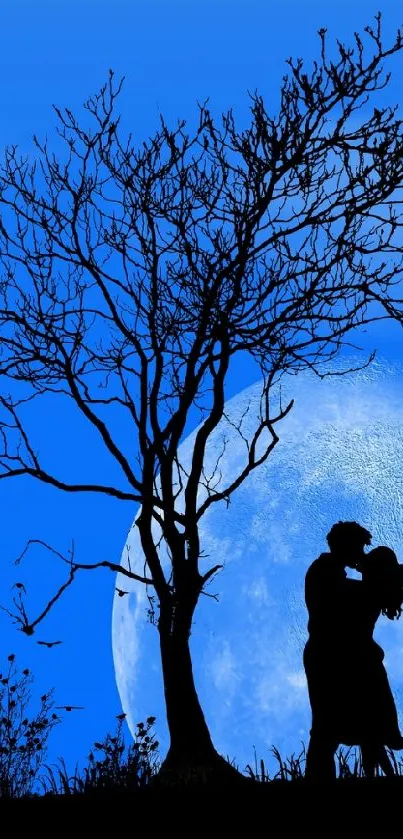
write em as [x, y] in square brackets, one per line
[346, 541]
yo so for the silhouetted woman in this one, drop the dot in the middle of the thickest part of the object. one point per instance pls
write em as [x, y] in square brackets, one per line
[376, 716]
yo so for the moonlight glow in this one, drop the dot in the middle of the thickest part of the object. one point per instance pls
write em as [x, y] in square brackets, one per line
[340, 456]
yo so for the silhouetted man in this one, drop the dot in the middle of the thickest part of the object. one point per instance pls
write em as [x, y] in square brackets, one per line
[328, 660]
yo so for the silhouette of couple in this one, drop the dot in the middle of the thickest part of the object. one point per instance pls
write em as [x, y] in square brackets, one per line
[349, 692]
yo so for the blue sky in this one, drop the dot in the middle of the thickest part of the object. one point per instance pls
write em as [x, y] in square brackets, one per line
[173, 55]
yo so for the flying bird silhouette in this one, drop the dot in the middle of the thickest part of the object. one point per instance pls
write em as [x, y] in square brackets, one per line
[49, 643]
[120, 716]
[121, 592]
[70, 707]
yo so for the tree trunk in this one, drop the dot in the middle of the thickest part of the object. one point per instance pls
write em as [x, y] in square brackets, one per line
[191, 756]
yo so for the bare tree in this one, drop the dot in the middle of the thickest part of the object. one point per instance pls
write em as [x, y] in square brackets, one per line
[132, 278]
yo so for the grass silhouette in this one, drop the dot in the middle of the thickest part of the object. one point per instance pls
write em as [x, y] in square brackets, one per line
[118, 776]
[121, 769]
[23, 740]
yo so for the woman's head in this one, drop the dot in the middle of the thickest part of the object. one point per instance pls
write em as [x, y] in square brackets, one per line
[381, 569]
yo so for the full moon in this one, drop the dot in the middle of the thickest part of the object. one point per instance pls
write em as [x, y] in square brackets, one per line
[339, 456]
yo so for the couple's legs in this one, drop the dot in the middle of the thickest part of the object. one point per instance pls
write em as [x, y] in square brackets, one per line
[373, 756]
[320, 759]
[320, 764]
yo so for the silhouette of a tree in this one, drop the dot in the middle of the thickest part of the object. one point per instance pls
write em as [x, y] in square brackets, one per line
[133, 278]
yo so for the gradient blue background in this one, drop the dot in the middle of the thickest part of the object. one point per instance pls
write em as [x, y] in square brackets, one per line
[173, 54]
